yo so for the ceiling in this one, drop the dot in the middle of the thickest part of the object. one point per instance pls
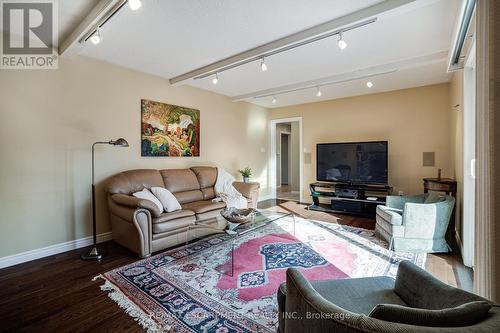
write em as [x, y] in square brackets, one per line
[170, 37]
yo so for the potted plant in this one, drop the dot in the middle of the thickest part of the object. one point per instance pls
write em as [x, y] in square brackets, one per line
[245, 173]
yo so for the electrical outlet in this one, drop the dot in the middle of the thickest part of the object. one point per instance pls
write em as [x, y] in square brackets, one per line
[401, 193]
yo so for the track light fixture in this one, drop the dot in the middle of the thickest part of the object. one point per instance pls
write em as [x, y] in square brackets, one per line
[134, 4]
[263, 65]
[318, 93]
[96, 38]
[341, 42]
[369, 84]
[274, 100]
[215, 80]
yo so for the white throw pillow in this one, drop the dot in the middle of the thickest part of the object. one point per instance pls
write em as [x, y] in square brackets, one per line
[146, 194]
[167, 199]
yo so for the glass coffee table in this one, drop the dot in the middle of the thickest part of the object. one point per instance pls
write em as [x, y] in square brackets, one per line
[219, 225]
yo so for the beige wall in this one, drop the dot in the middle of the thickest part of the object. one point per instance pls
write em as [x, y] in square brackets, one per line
[49, 119]
[457, 142]
[412, 120]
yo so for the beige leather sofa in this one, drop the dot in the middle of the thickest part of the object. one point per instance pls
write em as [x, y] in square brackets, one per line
[140, 226]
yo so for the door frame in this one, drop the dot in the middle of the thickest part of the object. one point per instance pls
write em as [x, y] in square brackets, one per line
[469, 157]
[272, 161]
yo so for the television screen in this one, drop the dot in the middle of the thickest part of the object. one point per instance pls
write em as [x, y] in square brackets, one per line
[355, 162]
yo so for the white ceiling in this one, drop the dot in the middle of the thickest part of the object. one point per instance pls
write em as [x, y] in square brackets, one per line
[71, 13]
[171, 37]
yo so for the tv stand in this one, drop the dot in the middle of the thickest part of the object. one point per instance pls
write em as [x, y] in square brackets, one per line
[355, 199]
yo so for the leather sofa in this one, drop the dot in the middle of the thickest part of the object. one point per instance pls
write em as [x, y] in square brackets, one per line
[140, 226]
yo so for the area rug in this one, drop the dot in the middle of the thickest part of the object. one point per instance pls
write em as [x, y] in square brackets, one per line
[183, 291]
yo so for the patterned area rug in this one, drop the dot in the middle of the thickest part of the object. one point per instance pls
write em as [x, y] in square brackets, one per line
[183, 291]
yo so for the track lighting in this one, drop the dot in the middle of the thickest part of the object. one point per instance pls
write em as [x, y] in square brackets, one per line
[369, 84]
[318, 93]
[341, 42]
[134, 4]
[274, 100]
[215, 80]
[96, 38]
[263, 65]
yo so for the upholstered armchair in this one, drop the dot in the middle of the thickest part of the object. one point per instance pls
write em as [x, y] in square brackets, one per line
[415, 223]
[415, 302]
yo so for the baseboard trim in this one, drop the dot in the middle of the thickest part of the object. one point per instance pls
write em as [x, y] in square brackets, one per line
[22, 257]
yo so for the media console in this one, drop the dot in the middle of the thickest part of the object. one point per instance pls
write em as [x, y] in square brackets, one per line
[359, 200]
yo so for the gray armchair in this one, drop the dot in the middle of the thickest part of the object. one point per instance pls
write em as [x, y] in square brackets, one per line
[415, 223]
[351, 305]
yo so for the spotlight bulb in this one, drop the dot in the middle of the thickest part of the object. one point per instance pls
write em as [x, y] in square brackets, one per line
[215, 80]
[318, 93]
[134, 4]
[341, 43]
[263, 65]
[369, 84]
[96, 38]
[274, 100]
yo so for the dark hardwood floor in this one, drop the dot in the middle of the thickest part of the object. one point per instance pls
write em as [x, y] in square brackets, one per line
[56, 293]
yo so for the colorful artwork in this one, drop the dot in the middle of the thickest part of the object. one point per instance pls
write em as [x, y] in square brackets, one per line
[169, 130]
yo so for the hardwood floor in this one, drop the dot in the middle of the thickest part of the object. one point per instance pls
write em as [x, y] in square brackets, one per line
[284, 192]
[56, 293]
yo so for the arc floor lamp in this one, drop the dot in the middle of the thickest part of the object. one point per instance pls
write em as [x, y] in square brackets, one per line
[96, 253]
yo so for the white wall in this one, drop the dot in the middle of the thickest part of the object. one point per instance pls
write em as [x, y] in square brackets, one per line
[50, 118]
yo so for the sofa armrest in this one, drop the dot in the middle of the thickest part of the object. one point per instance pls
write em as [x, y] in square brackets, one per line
[249, 191]
[133, 202]
[436, 295]
[307, 311]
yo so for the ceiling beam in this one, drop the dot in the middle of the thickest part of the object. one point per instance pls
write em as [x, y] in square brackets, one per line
[300, 36]
[71, 45]
[346, 77]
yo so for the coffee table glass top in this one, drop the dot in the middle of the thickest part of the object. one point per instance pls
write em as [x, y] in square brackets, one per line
[218, 225]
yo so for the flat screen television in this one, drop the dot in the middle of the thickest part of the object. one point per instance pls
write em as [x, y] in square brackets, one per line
[352, 162]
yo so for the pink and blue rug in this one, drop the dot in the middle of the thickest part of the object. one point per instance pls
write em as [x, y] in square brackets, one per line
[180, 291]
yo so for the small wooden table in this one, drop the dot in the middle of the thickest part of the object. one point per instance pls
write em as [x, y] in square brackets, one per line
[448, 186]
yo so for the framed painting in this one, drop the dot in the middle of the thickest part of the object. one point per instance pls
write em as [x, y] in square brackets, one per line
[169, 130]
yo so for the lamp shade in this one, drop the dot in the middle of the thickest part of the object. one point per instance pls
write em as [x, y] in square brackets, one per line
[121, 142]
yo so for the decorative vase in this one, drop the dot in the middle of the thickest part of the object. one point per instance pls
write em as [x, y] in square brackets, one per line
[246, 179]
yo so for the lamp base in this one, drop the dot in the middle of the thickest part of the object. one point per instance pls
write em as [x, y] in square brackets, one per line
[95, 254]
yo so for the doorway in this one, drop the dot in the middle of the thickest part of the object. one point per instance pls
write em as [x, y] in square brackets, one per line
[286, 159]
[285, 164]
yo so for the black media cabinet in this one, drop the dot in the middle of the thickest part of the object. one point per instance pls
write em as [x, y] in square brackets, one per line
[348, 198]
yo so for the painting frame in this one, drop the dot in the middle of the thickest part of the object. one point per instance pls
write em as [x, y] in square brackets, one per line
[169, 130]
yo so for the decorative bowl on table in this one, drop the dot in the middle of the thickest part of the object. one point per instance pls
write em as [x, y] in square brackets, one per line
[236, 215]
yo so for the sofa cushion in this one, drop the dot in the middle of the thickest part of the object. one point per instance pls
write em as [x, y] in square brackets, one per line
[464, 315]
[433, 197]
[207, 176]
[180, 180]
[189, 196]
[208, 193]
[167, 199]
[391, 215]
[145, 194]
[165, 217]
[203, 206]
[173, 225]
[131, 181]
